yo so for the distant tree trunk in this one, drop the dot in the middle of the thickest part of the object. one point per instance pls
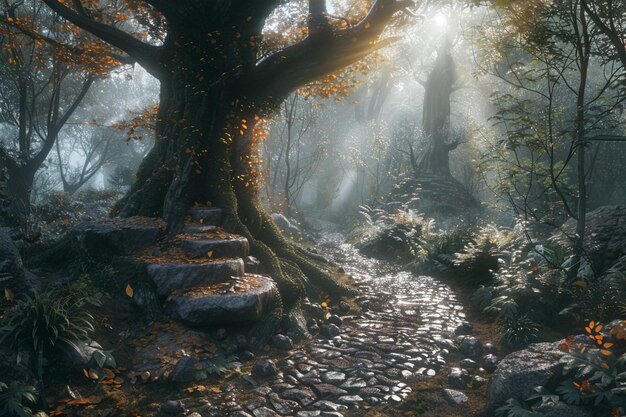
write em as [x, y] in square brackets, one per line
[436, 115]
[19, 186]
[583, 53]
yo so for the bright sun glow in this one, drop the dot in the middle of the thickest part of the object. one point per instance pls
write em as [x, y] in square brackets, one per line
[441, 20]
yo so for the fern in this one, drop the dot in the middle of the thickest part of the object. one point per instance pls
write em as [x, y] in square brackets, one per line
[514, 408]
[222, 365]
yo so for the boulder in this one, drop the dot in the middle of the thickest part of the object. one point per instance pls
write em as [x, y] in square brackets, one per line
[518, 373]
[13, 276]
[454, 397]
[286, 227]
[264, 369]
[471, 347]
[605, 235]
[224, 303]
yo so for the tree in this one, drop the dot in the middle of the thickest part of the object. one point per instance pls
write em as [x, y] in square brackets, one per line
[42, 84]
[560, 97]
[215, 89]
[436, 114]
[292, 153]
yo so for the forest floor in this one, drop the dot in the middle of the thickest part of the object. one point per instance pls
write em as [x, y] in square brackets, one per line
[390, 354]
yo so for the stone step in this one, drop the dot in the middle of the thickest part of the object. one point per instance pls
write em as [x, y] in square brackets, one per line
[241, 299]
[120, 236]
[228, 247]
[169, 277]
[209, 216]
[199, 230]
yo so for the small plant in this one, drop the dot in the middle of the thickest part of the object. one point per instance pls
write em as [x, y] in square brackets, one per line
[518, 330]
[43, 324]
[16, 399]
[222, 365]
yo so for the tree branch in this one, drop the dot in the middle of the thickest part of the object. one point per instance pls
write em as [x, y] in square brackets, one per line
[324, 52]
[146, 55]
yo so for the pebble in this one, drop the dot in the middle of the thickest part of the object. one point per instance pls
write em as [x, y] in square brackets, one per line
[454, 397]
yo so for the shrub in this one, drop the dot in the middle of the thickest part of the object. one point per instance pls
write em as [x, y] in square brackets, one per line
[43, 324]
[518, 330]
[94, 195]
[16, 399]
[480, 258]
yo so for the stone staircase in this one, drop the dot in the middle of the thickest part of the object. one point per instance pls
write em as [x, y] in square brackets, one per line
[199, 276]
[202, 275]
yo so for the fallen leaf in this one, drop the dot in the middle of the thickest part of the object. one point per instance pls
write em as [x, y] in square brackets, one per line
[129, 291]
[8, 295]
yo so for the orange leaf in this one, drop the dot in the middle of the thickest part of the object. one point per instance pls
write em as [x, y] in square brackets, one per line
[606, 352]
[129, 291]
[599, 327]
[608, 345]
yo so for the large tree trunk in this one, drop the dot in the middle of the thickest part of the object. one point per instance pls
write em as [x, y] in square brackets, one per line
[204, 145]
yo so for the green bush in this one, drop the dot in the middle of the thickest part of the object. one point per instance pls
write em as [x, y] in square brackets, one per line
[41, 325]
[16, 399]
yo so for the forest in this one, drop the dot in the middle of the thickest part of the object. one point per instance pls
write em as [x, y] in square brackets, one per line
[313, 208]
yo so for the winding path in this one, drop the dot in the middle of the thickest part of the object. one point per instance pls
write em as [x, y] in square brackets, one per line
[399, 337]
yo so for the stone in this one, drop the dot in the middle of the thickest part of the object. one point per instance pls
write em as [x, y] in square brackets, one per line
[173, 407]
[184, 371]
[471, 347]
[333, 377]
[490, 363]
[478, 381]
[239, 413]
[81, 354]
[264, 369]
[349, 399]
[344, 307]
[330, 330]
[334, 319]
[286, 227]
[116, 236]
[490, 348]
[201, 306]
[302, 395]
[284, 407]
[265, 412]
[328, 390]
[280, 341]
[458, 378]
[325, 405]
[518, 373]
[313, 413]
[468, 364]
[454, 397]
[168, 277]
[464, 328]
